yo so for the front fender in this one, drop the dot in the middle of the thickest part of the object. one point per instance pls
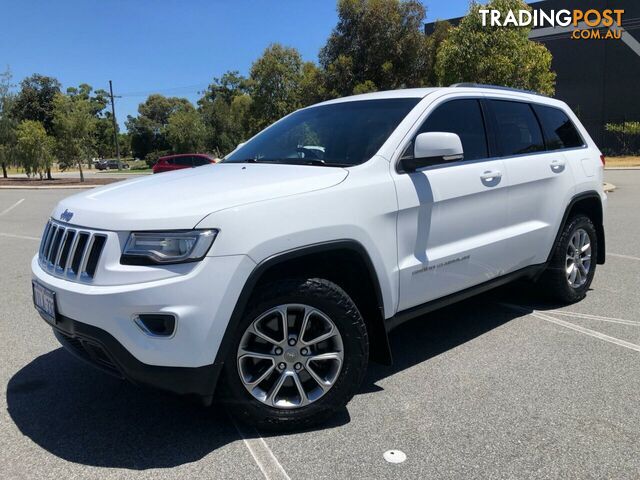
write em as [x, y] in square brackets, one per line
[362, 209]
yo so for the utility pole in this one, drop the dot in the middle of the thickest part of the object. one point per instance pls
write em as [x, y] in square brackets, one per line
[115, 125]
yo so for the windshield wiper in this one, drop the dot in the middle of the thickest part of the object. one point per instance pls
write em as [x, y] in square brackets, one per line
[259, 160]
[313, 161]
[293, 161]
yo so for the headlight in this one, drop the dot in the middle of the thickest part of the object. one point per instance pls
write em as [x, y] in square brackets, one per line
[145, 248]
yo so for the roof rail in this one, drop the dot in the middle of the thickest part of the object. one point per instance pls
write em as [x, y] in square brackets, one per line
[494, 87]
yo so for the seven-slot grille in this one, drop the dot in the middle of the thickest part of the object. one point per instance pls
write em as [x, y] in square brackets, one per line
[71, 252]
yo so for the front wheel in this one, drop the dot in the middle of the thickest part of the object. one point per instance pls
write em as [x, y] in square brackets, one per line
[299, 355]
[573, 262]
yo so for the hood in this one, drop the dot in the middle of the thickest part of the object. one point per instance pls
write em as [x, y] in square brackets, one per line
[180, 199]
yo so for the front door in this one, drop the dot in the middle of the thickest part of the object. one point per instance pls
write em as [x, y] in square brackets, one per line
[452, 215]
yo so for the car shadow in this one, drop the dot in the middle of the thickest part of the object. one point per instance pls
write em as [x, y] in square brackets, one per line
[430, 335]
[87, 417]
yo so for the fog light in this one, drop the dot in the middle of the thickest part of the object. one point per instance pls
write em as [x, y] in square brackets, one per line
[156, 324]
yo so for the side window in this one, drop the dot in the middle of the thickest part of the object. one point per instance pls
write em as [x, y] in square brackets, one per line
[463, 117]
[558, 129]
[183, 161]
[199, 161]
[517, 129]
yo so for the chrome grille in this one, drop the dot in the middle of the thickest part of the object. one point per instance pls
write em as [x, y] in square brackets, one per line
[71, 252]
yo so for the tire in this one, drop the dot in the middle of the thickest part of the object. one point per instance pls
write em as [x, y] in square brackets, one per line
[318, 300]
[556, 279]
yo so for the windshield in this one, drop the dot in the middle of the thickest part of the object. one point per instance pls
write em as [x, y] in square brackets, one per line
[340, 134]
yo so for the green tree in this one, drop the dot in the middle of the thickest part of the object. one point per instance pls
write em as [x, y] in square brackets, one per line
[224, 108]
[98, 101]
[377, 44]
[34, 148]
[440, 33]
[625, 133]
[159, 108]
[104, 136]
[147, 130]
[185, 130]
[7, 121]
[74, 124]
[35, 100]
[275, 85]
[495, 55]
[124, 141]
[146, 136]
[312, 89]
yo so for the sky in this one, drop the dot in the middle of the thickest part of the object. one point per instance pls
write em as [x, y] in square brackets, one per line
[161, 46]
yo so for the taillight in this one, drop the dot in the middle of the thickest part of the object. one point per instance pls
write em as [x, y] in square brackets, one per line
[603, 160]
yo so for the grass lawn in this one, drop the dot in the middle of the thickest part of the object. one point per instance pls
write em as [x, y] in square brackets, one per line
[135, 166]
[35, 182]
[623, 161]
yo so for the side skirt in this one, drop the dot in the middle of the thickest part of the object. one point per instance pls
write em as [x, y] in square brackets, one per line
[399, 318]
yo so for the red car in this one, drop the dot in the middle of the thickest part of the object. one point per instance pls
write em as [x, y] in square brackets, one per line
[183, 160]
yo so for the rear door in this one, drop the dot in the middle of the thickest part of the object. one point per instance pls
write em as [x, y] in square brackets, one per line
[451, 214]
[540, 181]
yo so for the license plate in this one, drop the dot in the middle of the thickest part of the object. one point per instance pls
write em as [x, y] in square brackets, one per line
[45, 302]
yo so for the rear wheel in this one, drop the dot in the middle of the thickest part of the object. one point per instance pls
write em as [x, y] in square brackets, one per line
[573, 264]
[300, 354]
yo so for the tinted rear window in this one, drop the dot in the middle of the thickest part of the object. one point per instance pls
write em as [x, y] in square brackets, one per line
[517, 129]
[464, 118]
[184, 161]
[558, 129]
[199, 161]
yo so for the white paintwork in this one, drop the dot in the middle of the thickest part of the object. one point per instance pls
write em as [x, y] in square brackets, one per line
[437, 144]
[180, 199]
[428, 233]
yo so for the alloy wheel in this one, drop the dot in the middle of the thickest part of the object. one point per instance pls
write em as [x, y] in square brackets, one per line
[290, 356]
[578, 258]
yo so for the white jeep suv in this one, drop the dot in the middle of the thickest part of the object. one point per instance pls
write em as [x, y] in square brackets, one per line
[282, 269]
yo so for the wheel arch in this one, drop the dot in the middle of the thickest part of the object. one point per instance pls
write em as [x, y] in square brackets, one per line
[317, 260]
[590, 204]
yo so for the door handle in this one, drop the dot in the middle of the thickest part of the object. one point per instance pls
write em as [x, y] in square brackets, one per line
[557, 166]
[491, 178]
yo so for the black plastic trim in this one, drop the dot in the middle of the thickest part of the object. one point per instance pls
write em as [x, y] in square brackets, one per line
[599, 226]
[269, 262]
[403, 316]
[181, 380]
[411, 165]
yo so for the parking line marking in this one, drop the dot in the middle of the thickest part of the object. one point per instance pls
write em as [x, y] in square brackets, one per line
[577, 328]
[588, 331]
[22, 237]
[619, 255]
[594, 317]
[261, 453]
[8, 209]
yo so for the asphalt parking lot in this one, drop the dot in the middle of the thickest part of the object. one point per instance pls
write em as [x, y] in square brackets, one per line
[501, 386]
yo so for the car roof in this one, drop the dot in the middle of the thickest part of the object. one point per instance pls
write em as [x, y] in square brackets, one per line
[400, 93]
[423, 92]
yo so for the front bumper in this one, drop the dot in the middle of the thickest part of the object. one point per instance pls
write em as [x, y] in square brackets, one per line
[202, 301]
[103, 351]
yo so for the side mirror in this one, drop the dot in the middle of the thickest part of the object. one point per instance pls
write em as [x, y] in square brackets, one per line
[431, 148]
